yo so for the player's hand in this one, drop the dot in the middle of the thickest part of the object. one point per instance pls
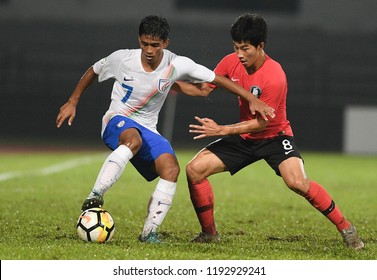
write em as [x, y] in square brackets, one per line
[207, 128]
[264, 110]
[67, 111]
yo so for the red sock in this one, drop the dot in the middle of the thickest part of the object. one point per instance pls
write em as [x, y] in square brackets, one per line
[202, 198]
[321, 200]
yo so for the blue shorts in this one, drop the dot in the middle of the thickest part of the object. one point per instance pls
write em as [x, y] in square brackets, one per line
[153, 144]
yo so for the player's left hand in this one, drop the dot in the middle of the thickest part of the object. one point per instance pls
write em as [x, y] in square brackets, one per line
[262, 108]
[207, 128]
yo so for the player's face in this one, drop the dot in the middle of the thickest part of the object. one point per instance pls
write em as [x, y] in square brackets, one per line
[249, 55]
[152, 49]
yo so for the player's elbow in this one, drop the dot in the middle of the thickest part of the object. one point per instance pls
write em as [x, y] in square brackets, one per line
[202, 90]
[204, 93]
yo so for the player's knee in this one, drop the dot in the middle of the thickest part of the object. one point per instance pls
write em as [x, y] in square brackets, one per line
[171, 173]
[133, 142]
[298, 185]
[190, 170]
[193, 172]
[175, 170]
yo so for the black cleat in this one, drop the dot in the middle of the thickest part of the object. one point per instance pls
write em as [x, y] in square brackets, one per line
[207, 238]
[94, 202]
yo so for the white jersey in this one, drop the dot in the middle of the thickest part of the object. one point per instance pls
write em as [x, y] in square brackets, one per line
[138, 94]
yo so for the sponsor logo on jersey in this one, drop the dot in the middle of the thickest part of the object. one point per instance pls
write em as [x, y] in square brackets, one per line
[163, 84]
[121, 124]
[128, 79]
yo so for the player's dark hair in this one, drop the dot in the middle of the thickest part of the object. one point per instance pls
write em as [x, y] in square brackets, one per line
[154, 26]
[249, 28]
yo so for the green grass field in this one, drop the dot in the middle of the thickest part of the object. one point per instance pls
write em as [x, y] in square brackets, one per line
[257, 216]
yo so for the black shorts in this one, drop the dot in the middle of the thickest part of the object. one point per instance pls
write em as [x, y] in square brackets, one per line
[237, 153]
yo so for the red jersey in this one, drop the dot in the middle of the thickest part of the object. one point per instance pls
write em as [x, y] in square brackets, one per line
[269, 84]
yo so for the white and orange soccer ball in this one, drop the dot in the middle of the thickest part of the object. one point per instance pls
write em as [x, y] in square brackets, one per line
[95, 225]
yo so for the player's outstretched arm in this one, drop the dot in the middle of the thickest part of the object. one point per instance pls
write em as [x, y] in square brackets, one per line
[68, 110]
[192, 89]
[208, 127]
[255, 104]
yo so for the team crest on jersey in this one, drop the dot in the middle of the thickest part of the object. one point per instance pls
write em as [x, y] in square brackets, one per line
[256, 91]
[163, 84]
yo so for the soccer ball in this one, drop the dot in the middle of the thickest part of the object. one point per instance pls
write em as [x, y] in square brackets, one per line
[95, 225]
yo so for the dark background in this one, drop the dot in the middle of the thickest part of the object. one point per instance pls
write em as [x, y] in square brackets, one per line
[330, 63]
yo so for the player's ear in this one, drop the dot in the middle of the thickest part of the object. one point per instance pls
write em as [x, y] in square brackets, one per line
[261, 45]
[166, 43]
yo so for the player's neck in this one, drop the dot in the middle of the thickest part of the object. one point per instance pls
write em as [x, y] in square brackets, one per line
[150, 67]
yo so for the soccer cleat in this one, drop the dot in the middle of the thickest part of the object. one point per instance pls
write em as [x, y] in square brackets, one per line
[94, 202]
[204, 237]
[351, 238]
[151, 238]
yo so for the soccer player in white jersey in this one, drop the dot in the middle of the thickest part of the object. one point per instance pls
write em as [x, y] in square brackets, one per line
[143, 78]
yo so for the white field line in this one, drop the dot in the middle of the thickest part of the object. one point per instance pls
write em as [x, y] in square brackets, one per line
[56, 168]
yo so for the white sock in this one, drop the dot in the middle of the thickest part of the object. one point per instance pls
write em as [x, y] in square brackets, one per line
[111, 170]
[159, 205]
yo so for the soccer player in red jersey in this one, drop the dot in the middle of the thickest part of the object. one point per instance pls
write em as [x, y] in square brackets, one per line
[254, 138]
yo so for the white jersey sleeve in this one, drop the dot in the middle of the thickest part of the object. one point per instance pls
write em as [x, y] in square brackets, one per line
[189, 70]
[108, 67]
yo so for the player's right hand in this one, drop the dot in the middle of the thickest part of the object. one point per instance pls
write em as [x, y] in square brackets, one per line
[68, 110]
